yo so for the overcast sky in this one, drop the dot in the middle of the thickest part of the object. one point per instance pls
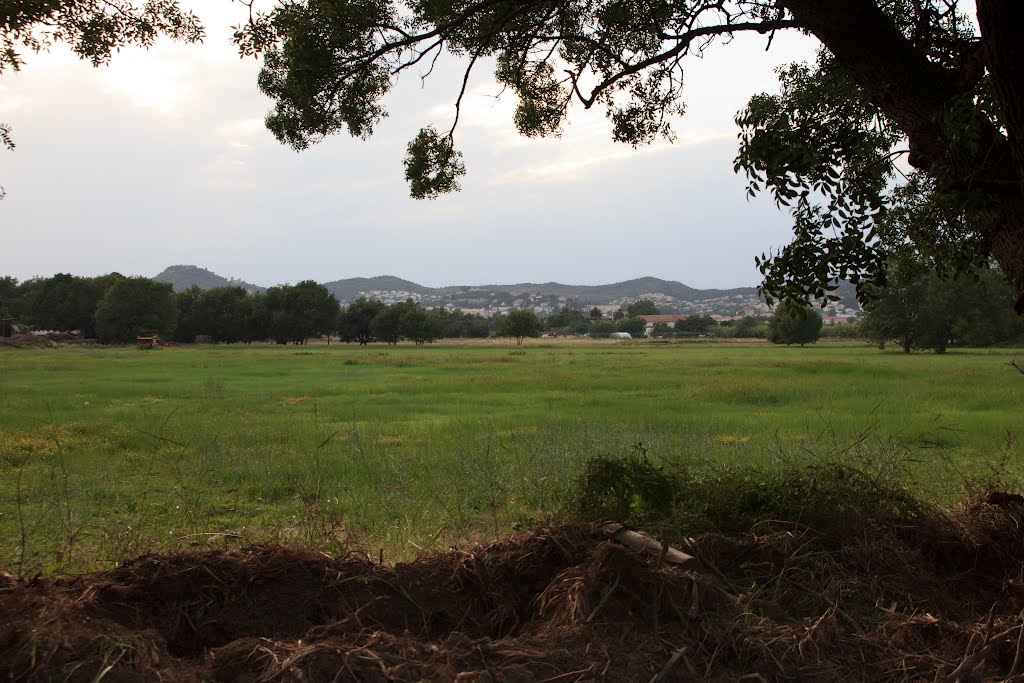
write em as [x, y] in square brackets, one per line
[162, 158]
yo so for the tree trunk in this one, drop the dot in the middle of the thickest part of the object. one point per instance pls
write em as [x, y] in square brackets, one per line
[1000, 22]
[1003, 228]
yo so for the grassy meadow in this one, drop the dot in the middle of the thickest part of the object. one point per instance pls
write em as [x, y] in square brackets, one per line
[110, 453]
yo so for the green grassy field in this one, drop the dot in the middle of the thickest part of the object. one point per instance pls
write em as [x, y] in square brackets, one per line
[108, 453]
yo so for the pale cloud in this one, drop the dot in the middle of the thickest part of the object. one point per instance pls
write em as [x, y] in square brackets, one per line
[150, 82]
[241, 135]
[369, 183]
[12, 102]
[579, 165]
[408, 216]
[225, 172]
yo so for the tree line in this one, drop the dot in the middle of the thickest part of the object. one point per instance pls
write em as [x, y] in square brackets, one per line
[916, 309]
[114, 308]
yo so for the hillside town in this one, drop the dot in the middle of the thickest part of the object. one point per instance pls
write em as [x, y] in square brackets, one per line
[488, 302]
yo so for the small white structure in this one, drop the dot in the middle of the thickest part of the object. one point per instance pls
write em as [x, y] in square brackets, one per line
[620, 335]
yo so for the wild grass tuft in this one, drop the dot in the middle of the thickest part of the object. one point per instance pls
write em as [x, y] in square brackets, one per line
[835, 494]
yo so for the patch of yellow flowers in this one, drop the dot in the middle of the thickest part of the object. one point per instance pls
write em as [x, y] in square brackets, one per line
[45, 441]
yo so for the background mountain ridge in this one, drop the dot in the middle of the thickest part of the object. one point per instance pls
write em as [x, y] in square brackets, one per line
[669, 295]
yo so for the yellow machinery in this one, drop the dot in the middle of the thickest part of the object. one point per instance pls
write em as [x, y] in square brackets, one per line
[147, 339]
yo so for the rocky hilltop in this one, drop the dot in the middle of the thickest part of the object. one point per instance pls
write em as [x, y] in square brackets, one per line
[183, 277]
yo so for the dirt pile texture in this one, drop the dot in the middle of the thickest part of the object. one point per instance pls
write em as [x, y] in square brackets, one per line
[559, 604]
[26, 341]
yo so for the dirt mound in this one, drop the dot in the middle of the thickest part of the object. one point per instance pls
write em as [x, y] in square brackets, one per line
[26, 341]
[564, 604]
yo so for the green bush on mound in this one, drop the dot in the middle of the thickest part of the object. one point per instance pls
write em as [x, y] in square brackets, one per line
[830, 497]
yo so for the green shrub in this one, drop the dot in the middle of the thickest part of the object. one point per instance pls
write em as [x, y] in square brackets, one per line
[832, 497]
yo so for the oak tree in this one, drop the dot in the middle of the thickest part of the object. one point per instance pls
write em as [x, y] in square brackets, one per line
[794, 322]
[912, 107]
[519, 324]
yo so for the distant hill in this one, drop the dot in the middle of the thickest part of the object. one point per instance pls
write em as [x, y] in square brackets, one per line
[618, 290]
[183, 277]
[354, 287]
[670, 296]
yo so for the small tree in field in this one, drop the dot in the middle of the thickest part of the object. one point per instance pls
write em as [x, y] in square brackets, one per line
[794, 323]
[520, 323]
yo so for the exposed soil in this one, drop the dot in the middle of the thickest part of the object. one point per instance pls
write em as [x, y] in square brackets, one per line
[562, 604]
[26, 341]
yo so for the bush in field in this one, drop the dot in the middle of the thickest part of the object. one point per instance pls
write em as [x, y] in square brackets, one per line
[134, 304]
[629, 488]
[832, 497]
[794, 323]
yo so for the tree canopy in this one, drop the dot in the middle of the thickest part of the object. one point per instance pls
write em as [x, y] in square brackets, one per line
[354, 321]
[519, 324]
[919, 310]
[909, 82]
[634, 326]
[794, 323]
[641, 307]
[695, 326]
[94, 29]
[909, 126]
[294, 313]
[133, 304]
